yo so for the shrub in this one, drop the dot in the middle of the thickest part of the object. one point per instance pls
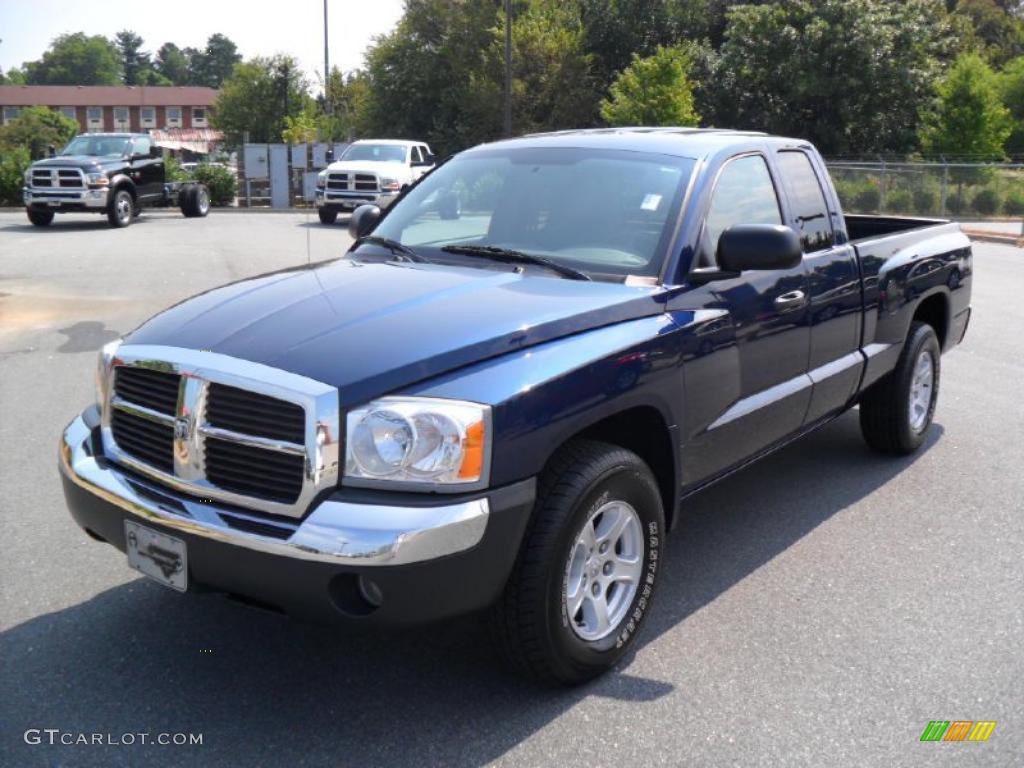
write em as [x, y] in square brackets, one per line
[220, 181]
[926, 202]
[13, 162]
[955, 203]
[868, 198]
[846, 189]
[1014, 203]
[172, 169]
[899, 201]
[986, 202]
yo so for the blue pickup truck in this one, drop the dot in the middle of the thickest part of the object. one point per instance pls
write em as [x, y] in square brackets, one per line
[502, 394]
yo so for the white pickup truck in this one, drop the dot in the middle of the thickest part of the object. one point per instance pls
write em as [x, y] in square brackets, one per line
[370, 171]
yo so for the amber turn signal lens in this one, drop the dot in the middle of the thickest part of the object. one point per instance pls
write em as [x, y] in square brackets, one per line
[473, 452]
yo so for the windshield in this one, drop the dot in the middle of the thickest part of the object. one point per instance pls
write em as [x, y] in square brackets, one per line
[382, 153]
[98, 146]
[599, 211]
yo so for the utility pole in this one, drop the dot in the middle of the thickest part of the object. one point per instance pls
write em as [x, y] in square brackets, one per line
[508, 67]
[327, 68]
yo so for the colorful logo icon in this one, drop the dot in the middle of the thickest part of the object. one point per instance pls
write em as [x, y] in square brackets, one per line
[958, 730]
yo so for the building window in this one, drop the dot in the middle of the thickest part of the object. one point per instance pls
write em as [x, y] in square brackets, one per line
[148, 117]
[174, 117]
[198, 117]
[10, 113]
[94, 118]
[71, 112]
[121, 122]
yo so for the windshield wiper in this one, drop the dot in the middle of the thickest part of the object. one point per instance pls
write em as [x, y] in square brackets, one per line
[510, 256]
[404, 251]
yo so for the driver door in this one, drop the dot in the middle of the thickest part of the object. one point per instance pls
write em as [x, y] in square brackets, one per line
[745, 366]
[147, 169]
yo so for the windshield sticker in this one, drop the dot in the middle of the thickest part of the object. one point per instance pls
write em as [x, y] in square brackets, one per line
[651, 202]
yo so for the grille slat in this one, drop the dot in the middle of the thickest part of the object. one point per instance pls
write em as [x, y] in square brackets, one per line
[157, 390]
[254, 414]
[223, 470]
[146, 440]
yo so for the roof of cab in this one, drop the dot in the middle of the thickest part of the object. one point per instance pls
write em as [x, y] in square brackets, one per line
[683, 142]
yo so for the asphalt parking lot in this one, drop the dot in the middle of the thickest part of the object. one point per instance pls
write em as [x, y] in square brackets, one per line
[817, 609]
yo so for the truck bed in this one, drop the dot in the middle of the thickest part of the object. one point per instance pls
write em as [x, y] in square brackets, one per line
[861, 227]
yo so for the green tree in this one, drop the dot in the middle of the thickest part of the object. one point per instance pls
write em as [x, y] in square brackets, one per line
[76, 59]
[172, 64]
[134, 61]
[215, 63]
[343, 116]
[553, 86]
[301, 128]
[1011, 87]
[653, 91]
[968, 119]
[432, 77]
[851, 75]
[258, 96]
[37, 129]
[990, 29]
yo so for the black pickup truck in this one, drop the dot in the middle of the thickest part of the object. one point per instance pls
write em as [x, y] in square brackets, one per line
[117, 174]
[501, 396]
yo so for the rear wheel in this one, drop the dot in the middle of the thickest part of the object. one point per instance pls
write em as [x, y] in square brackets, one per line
[39, 218]
[586, 571]
[896, 412]
[187, 201]
[119, 212]
[327, 215]
[202, 200]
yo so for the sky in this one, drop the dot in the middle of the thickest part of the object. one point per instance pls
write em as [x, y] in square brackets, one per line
[258, 27]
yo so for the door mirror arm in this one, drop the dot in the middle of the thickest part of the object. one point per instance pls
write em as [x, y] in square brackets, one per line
[705, 275]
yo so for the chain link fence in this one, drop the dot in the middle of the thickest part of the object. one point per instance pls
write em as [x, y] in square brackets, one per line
[956, 190]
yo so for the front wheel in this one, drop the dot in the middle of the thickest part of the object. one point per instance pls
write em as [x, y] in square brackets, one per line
[119, 213]
[327, 215]
[896, 412]
[39, 218]
[586, 572]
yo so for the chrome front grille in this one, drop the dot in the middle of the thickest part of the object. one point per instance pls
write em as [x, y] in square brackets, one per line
[64, 178]
[352, 182]
[221, 428]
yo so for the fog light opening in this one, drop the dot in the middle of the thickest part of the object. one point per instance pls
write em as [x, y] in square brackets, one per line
[355, 595]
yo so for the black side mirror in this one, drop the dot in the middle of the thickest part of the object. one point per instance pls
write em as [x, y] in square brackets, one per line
[330, 155]
[364, 219]
[449, 206]
[155, 152]
[51, 151]
[758, 246]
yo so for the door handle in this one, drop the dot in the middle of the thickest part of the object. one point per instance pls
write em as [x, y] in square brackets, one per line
[787, 302]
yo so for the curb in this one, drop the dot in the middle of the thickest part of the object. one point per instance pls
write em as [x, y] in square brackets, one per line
[1015, 241]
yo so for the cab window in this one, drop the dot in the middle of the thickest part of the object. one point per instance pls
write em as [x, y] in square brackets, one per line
[744, 194]
[810, 212]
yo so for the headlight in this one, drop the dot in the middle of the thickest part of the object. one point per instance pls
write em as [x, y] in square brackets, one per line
[98, 179]
[28, 177]
[103, 368]
[390, 185]
[419, 441]
[321, 179]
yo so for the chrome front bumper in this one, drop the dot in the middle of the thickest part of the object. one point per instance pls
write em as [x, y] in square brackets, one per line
[54, 198]
[352, 200]
[337, 532]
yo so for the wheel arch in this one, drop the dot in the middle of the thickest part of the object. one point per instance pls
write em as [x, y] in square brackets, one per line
[643, 430]
[934, 309]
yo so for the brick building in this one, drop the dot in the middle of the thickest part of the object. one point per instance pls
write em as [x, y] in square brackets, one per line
[115, 107]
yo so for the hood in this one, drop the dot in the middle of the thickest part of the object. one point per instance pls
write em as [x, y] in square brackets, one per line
[85, 162]
[372, 328]
[370, 166]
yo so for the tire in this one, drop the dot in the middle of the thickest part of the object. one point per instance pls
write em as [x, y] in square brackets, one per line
[187, 201]
[587, 486]
[896, 412]
[201, 200]
[119, 211]
[39, 218]
[327, 215]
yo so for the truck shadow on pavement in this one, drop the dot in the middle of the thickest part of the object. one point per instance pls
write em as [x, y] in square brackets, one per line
[138, 658]
[86, 222]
